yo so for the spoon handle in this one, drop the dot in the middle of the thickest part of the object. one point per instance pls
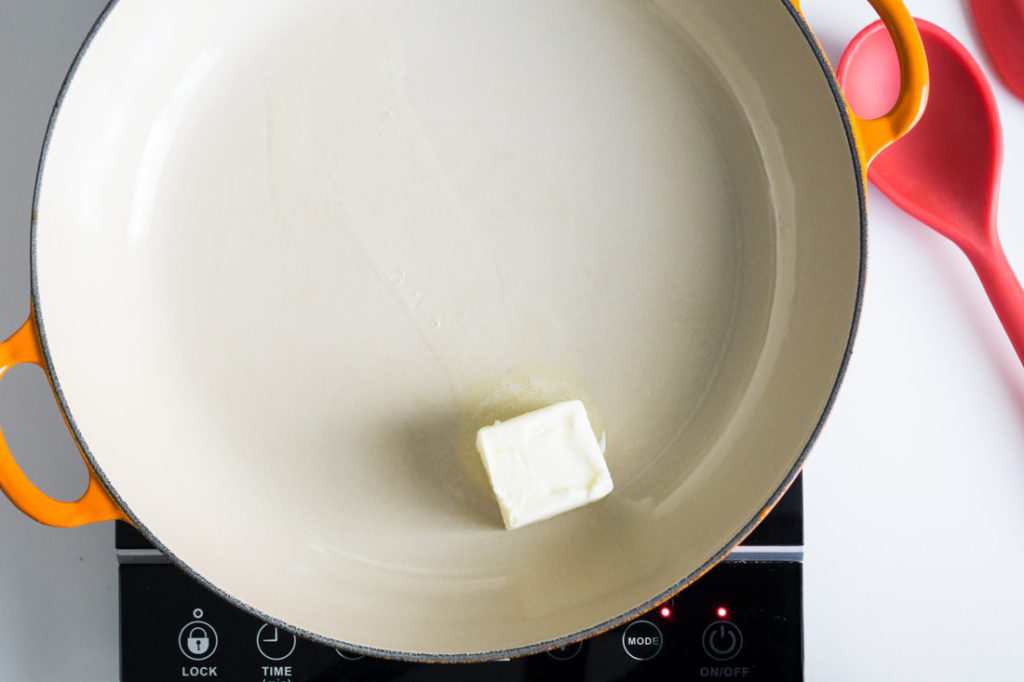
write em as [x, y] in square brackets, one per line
[1003, 289]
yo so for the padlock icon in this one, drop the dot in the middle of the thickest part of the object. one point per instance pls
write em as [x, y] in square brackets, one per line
[198, 641]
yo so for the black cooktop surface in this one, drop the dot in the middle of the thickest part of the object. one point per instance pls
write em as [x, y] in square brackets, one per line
[742, 620]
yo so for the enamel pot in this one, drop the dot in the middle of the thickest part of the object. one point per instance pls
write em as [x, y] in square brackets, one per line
[287, 257]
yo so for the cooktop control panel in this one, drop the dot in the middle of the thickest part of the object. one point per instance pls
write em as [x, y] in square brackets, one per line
[740, 621]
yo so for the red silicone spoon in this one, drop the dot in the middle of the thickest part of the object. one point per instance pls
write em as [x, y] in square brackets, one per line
[1001, 23]
[944, 172]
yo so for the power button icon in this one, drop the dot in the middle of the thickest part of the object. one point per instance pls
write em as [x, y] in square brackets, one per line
[722, 640]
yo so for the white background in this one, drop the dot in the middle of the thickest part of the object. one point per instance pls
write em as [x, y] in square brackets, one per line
[914, 492]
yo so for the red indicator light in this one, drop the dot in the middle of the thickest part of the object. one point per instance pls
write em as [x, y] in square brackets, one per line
[665, 612]
[722, 612]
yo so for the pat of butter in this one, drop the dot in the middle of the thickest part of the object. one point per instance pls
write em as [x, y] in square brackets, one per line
[543, 463]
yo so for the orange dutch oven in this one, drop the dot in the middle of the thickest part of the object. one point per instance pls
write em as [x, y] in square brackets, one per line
[288, 257]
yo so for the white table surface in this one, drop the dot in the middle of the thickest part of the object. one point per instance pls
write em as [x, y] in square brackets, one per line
[914, 492]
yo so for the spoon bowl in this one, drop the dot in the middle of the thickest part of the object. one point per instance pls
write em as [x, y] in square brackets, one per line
[945, 172]
[1001, 24]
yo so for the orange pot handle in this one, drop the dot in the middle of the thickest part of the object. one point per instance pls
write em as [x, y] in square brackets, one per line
[94, 506]
[875, 134]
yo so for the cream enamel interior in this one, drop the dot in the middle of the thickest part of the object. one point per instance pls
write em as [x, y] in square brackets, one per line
[280, 247]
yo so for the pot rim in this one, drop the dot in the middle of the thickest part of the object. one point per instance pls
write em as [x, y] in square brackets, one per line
[499, 653]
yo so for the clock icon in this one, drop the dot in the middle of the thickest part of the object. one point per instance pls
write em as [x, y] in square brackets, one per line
[274, 643]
